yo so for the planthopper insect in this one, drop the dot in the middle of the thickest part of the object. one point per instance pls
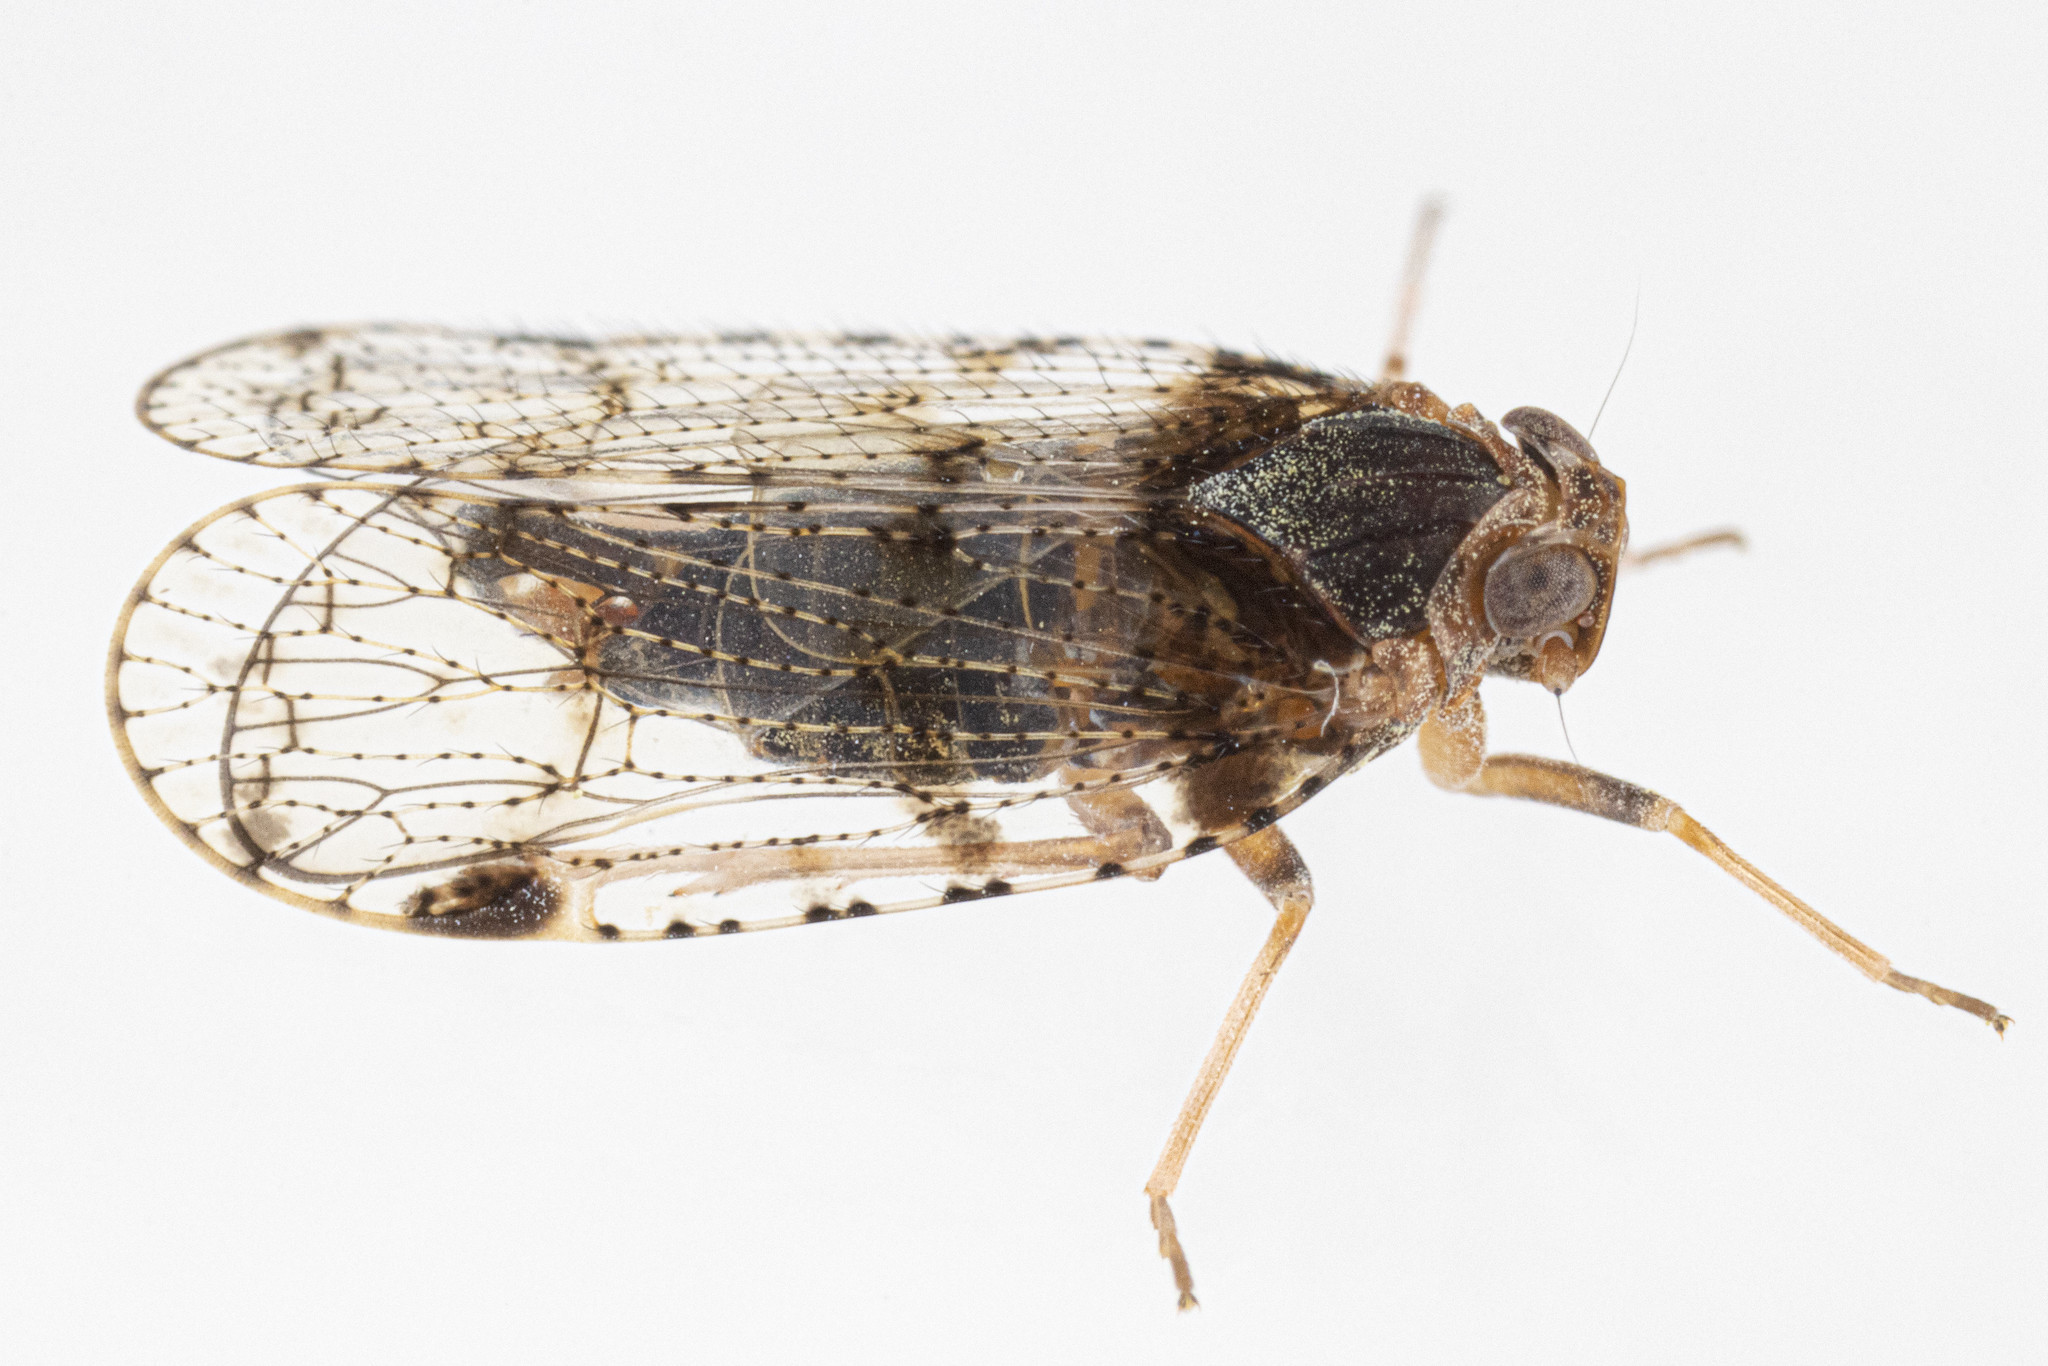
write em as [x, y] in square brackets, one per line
[668, 636]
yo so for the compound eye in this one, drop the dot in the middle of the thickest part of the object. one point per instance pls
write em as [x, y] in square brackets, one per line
[1538, 589]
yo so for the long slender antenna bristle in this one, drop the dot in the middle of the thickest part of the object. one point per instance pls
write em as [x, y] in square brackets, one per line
[1635, 316]
[1569, 749]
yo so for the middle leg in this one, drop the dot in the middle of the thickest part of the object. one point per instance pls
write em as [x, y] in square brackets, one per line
[1270, 860]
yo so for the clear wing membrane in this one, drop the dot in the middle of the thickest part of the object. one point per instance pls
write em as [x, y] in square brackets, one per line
[396, 399]
[860, 625]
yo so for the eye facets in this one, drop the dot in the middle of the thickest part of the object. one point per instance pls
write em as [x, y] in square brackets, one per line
[1538, 589]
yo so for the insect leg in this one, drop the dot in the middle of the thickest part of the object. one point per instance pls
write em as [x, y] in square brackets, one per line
[1270, 860]
[1426, 220]
[722, 871]
[1453, 754]
[1120, 817]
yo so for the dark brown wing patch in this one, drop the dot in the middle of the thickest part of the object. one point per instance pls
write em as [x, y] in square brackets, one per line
[899, 626]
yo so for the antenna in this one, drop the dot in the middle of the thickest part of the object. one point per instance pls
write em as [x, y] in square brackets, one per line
[1569, 747]
[1635, 316]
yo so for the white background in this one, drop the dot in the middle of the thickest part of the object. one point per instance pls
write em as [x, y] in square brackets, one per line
[1533, 1088]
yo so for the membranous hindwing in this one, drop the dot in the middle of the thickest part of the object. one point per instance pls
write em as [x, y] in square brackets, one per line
[816, 671]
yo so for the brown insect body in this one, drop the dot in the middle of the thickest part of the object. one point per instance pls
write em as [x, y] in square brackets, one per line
[668, 636]
[960, 619]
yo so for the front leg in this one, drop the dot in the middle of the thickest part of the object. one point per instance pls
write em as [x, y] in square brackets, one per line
[1453, 745]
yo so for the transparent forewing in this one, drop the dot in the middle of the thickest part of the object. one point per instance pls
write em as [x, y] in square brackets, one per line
[743, 408]
[637, 718]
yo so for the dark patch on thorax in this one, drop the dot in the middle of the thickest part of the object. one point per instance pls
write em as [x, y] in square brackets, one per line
[1366, 507]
